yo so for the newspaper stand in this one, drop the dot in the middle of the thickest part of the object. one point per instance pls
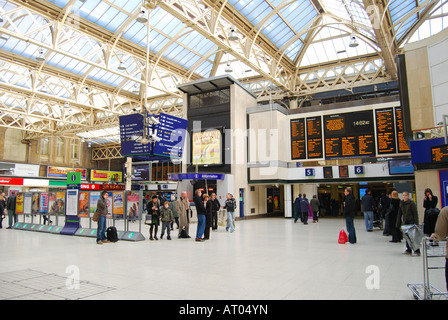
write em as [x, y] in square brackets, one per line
[425, 290]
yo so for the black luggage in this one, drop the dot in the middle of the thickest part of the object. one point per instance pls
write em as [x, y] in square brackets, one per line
[112, 234]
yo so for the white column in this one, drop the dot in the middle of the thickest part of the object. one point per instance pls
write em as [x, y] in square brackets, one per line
[288, 201]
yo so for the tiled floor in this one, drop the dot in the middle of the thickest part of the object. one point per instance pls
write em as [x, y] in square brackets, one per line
[270, 258]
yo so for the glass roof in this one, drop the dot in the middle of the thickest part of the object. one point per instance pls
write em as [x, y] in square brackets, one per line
[301, 33]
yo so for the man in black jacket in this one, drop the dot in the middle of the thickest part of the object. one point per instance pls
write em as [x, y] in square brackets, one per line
[11, 208]
[349, 214]
[201, 212]
[368, 205]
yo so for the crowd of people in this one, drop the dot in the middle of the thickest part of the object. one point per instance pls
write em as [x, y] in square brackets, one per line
[179, 211]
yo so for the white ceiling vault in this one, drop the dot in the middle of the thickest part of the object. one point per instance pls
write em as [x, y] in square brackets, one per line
[72, 67]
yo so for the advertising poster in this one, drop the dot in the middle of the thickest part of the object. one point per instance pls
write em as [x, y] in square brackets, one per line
[118, 204]
[72, 203]
[19, 203]
[44, 203]
[83, 210]
[36, 203]
[61, 172]
[94, 196]
[206, 147]
[59, 205]
[51, 203]
[27, 203]
[105, 176]
[132, 209]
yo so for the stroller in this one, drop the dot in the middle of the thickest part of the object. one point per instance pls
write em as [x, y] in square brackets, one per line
[378, 219]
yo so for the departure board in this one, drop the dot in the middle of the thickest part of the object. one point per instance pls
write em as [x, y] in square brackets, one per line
[298, 147]
[349, 134]
[439, 154]
[385, 131]
[314, 137]
[401, 142]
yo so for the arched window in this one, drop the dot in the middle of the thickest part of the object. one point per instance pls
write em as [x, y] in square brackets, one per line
[74, 149]
[44, 146]
[59, 147]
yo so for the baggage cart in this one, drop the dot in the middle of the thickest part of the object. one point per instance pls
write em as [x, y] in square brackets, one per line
[430, 251]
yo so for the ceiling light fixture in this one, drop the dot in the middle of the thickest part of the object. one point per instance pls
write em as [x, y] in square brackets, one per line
[122, 67]
[353, 42]
[232, 34]
[40, 56]
[228, 68]
[142, 16]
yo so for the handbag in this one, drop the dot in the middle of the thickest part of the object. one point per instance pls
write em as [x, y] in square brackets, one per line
[148, 219]
[343, 238]
[413, 235]
[96, 216]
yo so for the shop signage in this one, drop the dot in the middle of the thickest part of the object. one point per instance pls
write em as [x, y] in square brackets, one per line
[11, 181]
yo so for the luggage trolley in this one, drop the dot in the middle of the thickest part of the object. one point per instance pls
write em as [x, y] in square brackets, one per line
[425, 290]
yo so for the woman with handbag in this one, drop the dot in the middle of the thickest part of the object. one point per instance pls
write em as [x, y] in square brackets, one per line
[102, 212]
[153, 215]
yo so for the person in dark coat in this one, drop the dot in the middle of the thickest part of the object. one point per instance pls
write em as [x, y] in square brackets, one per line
[368, 204]
[385, 212]
[304, 204]
[430, 202]
[201, 212]
[215, 208]
[11, 209]
[153, 211]
[298, 210]
[208, 216]
[393, 214]
[407, 214]
[349, 214]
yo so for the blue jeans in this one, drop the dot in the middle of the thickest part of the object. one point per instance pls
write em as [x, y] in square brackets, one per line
[201, 226]
[230, 219]
[368, 218]
[350, 229]
[101, 232]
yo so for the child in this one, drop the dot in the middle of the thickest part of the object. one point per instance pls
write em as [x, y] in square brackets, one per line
[166, 215]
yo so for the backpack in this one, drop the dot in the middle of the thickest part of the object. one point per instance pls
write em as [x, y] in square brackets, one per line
[112, 234]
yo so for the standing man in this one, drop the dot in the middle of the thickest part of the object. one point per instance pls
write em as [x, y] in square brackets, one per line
[298, 212]
[407, 214]
[230, 206]
[349, 213]
[11, 208]
[315, 208]
[201, 212]
[183, 209]
[215, 208]
[304, 205]
[368, 206]
[102, 209]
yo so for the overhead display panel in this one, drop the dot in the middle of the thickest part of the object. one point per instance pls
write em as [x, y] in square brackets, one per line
[314, 137]
[366, 133]
[385, 131]
[401, 142]
[439, 154]
[349, 135]
[298, 148]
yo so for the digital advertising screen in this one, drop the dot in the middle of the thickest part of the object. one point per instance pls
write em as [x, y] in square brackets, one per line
[206, 147]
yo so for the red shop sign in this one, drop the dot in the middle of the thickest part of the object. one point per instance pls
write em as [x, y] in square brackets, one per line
[11, 181]
[90, 186]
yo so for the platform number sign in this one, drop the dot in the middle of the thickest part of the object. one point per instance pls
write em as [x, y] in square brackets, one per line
[359, 169]
[309, 172]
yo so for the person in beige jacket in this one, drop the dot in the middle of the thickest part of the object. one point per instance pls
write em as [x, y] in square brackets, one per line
[440, 233]
[183, 208]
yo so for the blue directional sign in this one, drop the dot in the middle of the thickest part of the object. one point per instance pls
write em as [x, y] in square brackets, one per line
[131, 126]
[310, 172]
[172, 131]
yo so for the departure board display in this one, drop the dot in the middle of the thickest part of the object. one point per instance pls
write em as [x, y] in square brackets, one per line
[366, 133]
[349, 134]
[385, 131]
[439, 154]
[343, 171]
[298, 147]
[314, 137]
[401, 142]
